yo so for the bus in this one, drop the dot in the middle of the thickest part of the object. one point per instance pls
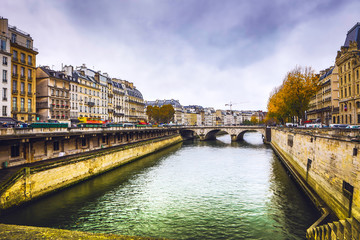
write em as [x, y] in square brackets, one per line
[90, 122]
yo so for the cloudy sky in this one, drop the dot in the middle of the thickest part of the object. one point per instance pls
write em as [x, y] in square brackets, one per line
[201, 52]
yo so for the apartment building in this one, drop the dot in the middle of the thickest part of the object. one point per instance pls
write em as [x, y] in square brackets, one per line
[52, 95]
[23, 61]
[348, 62]
[5, 70]
[324, 106]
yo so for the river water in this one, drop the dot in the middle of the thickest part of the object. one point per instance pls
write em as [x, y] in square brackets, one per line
[194, 190]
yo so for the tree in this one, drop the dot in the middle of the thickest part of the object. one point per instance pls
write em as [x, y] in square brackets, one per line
[292, 98]
[164, 114]
[167, 113]
[254, 120]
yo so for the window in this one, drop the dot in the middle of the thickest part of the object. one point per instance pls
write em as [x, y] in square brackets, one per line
[14, 103]
[4, 97]
[22, 57]
[14, 87]
[22, 104]
[22, 72]
[4, 111]
[15, 150]
[83, 142]
[14, 70]
[13, 37]
[29, 74]
[3, 45]
[15, 55]
[4, 78]
[28, 43]
[29, 60]
[5, 61]
[29, 105]
[349, 91]
[22, 88]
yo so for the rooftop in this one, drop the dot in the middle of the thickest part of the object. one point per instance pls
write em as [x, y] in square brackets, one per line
[353, 35]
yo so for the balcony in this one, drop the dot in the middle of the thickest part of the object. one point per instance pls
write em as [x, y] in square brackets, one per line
[118, 107]
[15, 59]
[110, 95]
[4, 98]
[14, 109]
[4, 81]
[29, 94]
[22, 76]
[22, 61]
[14, 91]
[15, 75]
[22, 93]
[29, 79]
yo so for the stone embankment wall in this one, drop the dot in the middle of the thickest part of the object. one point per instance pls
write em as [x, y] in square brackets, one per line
[328, 164]
[33, 182]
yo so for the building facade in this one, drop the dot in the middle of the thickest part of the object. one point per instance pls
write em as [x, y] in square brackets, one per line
[118, 101]
[134, 103]
[23, 82]
[5, 69]
[348, 62]
[52, 95]
[324, 106]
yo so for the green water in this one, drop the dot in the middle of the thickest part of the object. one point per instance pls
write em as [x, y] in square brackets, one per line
[194, 190]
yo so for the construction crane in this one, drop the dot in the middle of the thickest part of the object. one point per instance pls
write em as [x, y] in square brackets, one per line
[230, 105]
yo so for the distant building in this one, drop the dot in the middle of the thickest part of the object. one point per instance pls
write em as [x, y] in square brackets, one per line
[118, 90]
[23, 62]
[134, 103]
[209, 117]
[53, 95]
[85, 94]
[324, 105]
[348, 62]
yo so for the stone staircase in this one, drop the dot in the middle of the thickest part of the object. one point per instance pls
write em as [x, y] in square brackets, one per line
[348, 229]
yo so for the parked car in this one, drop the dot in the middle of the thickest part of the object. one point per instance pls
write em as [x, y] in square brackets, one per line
[339, 125]
[354, 126]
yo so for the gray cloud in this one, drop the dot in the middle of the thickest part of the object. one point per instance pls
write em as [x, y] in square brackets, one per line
[205, 52]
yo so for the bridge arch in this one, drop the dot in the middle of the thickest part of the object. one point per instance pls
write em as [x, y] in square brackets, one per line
[209, 133]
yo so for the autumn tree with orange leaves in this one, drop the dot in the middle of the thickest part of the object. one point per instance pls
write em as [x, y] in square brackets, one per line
[292, 98]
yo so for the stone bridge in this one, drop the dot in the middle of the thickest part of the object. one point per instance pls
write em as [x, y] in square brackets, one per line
[236, 132]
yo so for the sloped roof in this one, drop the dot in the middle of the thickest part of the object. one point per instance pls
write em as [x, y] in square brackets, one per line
[53, 73]
[326, 74]
[353, 35]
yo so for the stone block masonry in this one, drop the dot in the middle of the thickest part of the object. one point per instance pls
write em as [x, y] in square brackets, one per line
[33, 182]
[327, 161]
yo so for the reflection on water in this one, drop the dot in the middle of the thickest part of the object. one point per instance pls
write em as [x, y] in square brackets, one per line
[195, 190]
